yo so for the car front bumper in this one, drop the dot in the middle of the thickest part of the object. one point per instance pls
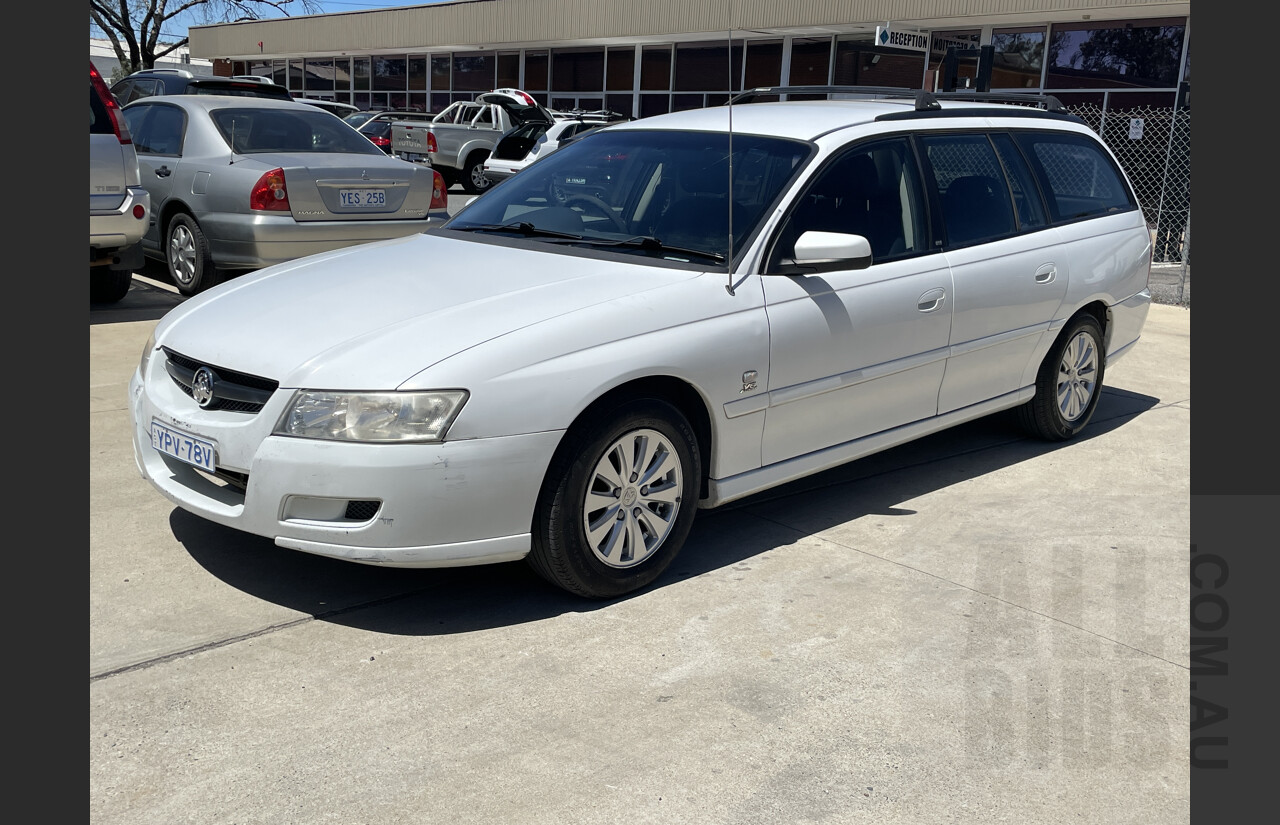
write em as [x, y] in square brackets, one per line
[443, 504]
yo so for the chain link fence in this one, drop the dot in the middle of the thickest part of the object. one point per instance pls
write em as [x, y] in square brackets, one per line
[1154, 147]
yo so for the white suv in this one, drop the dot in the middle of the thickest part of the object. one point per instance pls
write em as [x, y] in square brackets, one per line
[665, 315]
[119, 208]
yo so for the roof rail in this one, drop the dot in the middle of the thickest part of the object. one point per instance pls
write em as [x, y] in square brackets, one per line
[924, 100]
[253, 78]
[1049, 102]
[750, 95]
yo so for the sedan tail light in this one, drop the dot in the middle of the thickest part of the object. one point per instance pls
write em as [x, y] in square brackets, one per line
[439, 192]
[270, 193]
[380, 142]
[431, 143]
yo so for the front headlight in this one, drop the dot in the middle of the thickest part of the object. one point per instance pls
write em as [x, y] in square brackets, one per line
[371, 416]
[146, 354]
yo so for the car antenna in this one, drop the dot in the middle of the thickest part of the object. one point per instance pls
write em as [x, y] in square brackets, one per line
[728, 286]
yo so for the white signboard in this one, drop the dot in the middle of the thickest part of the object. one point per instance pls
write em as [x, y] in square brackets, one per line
[1135, 128]
[912, 40]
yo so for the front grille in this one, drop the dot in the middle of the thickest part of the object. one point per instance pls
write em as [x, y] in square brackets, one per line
[233, 391]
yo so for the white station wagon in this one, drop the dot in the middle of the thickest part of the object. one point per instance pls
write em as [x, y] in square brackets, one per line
[667, 315]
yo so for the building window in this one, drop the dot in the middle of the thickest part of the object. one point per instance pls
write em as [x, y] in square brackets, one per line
[810, 61]
[655, 69]
[966, 64]
[440, 73]
[360, 74]
[859, 62]
[508, 70]
[535, 72]
[318, 75]
[707, 66]
[390, 74]
[1017, 59]
[764, 63]
[621, 67]
[474, 71]
[655, 104]
[418, 73]
[293, 80]
[1115, 54]
[577, 70]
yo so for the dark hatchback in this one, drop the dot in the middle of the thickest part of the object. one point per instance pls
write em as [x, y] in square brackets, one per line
[150, 82]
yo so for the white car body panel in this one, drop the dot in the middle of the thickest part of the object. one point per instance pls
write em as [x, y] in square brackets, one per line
[792, 373]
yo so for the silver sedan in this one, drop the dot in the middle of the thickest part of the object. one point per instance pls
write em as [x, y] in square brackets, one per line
[237, 184]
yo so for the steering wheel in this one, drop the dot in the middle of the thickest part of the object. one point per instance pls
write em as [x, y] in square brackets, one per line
[593, 205]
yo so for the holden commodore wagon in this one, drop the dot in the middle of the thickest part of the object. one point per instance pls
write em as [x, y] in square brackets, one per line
[666, 315]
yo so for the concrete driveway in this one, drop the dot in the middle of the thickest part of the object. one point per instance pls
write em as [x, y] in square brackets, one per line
[974, 628]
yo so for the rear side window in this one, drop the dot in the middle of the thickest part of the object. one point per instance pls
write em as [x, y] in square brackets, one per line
[156, 129]
[1078, 177]
[976, 205]
[1022, 182]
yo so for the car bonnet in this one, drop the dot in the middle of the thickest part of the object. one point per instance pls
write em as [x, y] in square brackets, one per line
[372, 316]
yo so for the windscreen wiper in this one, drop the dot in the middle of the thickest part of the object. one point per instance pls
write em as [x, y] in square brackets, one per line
[523, 227]
[650, 243]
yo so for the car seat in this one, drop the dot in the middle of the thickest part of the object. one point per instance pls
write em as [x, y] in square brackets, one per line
[976, 207]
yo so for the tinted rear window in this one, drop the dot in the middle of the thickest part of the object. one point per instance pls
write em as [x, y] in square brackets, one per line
[1078, 176]
[249, 131]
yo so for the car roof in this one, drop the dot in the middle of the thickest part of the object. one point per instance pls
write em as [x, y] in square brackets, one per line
[811, 119]
[208, 102]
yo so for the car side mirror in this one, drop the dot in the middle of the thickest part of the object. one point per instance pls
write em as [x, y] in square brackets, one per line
[826, 252]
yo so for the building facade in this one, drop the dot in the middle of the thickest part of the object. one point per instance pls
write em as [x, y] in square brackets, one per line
[1122, 65]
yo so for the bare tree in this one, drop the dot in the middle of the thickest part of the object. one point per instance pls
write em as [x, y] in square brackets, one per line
[134, 26]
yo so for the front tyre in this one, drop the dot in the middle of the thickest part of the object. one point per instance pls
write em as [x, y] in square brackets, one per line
[618, 501]
[187, 253]
[1068, 384]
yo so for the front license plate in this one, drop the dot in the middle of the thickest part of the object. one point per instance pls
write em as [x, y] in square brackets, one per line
[183, 446]
[362, 197]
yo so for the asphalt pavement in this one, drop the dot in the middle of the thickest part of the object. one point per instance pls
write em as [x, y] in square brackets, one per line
[973, 628]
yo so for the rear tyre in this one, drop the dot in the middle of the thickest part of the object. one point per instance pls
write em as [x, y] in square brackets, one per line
[1068, 384]
[618, 501]
[108, 286]
[473, 179]
[187, 253]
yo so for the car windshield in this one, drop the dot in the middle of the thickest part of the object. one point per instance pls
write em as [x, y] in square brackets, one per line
[655, 193]
[251, 131]
[358, 119]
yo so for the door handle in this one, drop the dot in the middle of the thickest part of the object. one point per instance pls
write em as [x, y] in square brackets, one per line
[1046, 274]
[931, 300]
[163, 172]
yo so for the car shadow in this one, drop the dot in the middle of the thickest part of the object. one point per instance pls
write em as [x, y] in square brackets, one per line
[143, 302]
[423, 602]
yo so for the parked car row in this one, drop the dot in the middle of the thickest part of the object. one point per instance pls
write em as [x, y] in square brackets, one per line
[662, 316]
[240, 183]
